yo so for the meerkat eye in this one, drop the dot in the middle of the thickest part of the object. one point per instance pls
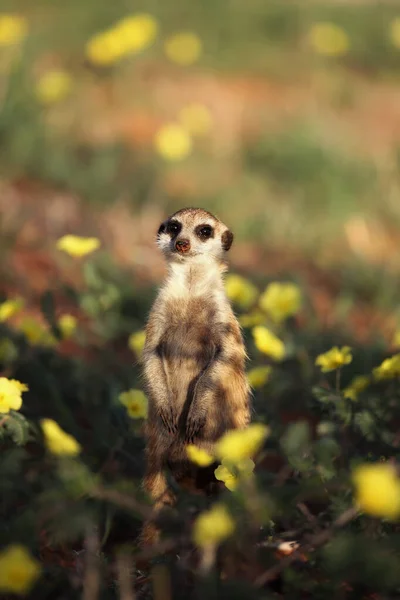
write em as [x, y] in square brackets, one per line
[204, 232]
[174, 227]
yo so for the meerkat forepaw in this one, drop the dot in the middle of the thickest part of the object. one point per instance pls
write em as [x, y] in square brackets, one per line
[194, 425]
[169, 419]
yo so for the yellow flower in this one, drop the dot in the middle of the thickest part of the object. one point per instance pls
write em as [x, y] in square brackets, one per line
[104, 48]
[199, 456]
[334, 359]
[258, 376]
[389, 369]
[358, 385]
[173, 142]
[394, 32]
[136, 32]
[183, 48]
[130, 35]
[137, 341]
[329, 39]
[377, 490]
[268, 343]
[18, 570]
[240, 291]
[135, 402]
[255, 317]
[13, 29]
[21, 387]
[223, 473]
[9, 308]
[281, 300]
[58, 441]
[239, 444]
[245, 466]
[77, 246]
[196, 118]
[213, 526]
[53, 86]
[67, 325]
[11, 394]
[36, 333]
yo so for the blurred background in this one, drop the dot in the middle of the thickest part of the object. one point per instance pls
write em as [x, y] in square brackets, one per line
[283, 118]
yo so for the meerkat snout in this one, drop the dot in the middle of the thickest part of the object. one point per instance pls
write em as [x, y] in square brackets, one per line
[182, 246]
[193, 232]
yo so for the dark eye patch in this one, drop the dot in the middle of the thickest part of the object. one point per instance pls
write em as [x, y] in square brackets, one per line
[226, 240]
[204, 232]
[161, 229]
[173, 227]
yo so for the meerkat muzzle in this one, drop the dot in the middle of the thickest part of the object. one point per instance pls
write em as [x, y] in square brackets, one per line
[182, 246]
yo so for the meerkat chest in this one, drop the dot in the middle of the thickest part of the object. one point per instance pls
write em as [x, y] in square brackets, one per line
[190, 331]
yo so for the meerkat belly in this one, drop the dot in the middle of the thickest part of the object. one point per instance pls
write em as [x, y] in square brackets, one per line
[186, 350]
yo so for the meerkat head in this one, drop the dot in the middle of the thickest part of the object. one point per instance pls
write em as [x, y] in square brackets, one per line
[192, 234]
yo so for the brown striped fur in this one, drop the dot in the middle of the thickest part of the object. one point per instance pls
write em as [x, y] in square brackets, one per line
[194, 356]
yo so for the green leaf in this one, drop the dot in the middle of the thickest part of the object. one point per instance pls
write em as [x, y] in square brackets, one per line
[365, 421]
[18, 428]
[343, 411]
[296, 437]
[77, 478]
[92, 277]
[325, 396]
[90, 304]
[326, 451]
[296, 445]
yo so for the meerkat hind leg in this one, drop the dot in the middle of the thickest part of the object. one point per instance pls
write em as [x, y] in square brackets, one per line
[156, 485]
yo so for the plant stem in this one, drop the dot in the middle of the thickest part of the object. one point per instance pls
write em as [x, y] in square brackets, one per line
[338, 373]
[317, 540]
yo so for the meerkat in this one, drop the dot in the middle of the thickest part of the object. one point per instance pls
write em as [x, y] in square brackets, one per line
[194, 357]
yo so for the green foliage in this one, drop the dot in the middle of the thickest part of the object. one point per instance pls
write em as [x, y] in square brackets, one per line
[323, 179]
[296, 444]
[15, 427]
[64, 498]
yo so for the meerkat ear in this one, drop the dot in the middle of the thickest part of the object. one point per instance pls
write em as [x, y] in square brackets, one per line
[226, 240]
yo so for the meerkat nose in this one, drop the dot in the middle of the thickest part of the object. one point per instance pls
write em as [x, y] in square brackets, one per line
[182, 245]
